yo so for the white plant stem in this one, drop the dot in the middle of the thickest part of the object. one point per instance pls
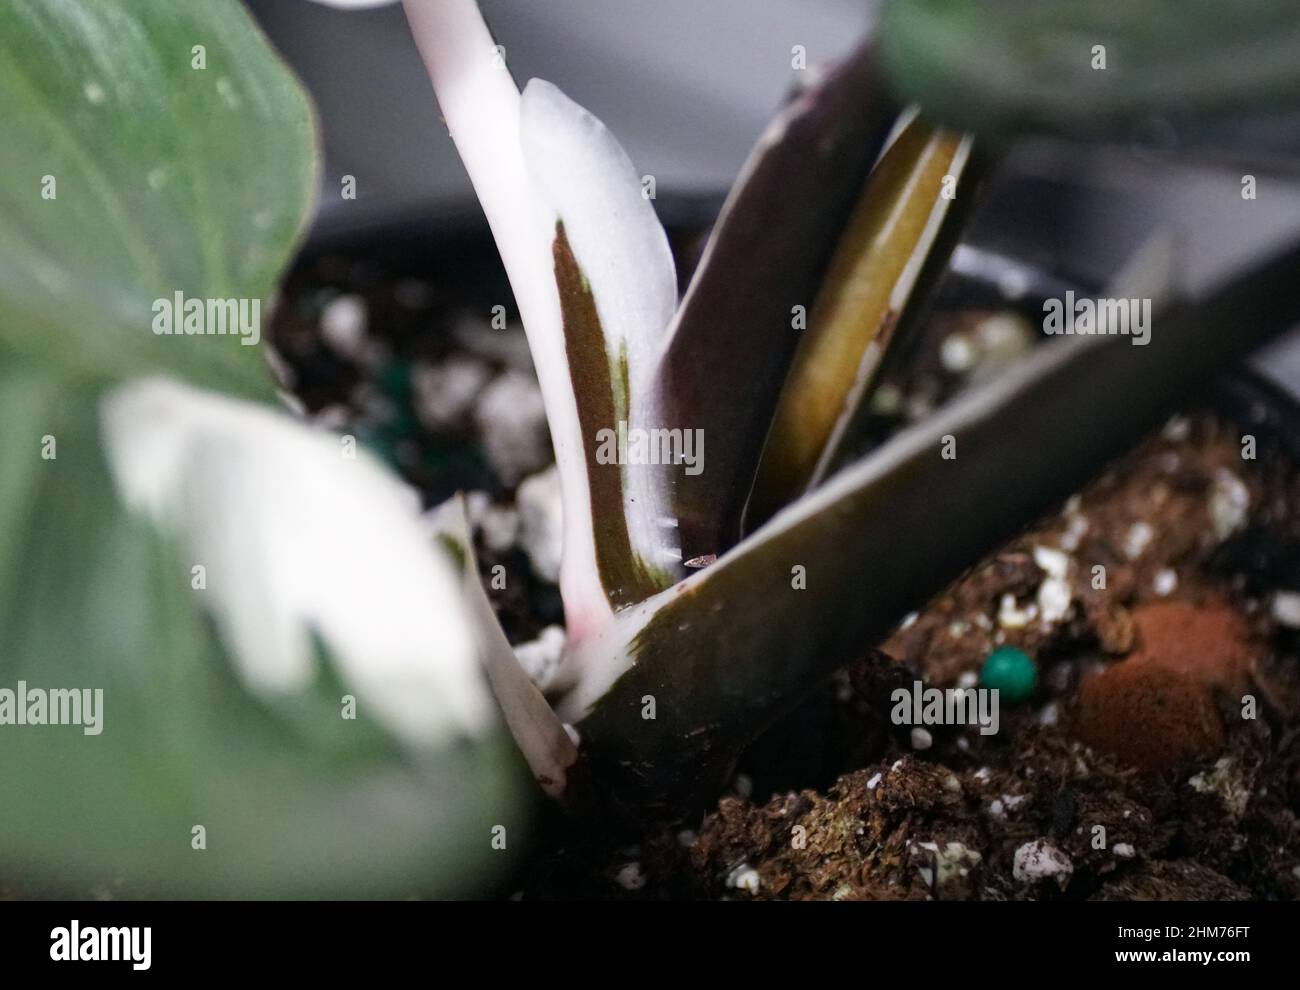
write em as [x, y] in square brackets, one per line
[480, 103]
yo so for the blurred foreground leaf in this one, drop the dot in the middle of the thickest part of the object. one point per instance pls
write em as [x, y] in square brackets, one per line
[295, 800]
[151, 148]
[147, 147]
[1020, 66]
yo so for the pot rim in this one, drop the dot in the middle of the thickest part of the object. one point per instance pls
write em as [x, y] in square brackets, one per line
[977, 274]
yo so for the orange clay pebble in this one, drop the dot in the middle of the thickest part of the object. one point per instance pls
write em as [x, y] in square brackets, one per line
[1156, 709]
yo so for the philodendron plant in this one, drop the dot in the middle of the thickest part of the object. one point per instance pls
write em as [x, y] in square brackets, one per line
[287, 680]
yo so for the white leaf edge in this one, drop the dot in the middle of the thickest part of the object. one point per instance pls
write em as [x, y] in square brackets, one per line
[590, 182]
[298, 538]
[587, 178]
[537, 730]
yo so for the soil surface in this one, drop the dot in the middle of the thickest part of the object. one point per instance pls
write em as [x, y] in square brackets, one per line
[1156, 757]
[1135, 770]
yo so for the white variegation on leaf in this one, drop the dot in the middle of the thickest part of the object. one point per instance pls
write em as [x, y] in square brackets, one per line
[584, 174]
[586, 177]
[535, 162]
[300, 541]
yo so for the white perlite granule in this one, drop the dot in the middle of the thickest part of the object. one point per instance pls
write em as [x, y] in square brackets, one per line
[630, 877]
[540, 523]
[1054, 562]
[1165, 582]
[1012, 616]
[540, 658]
[1001, 339]
[1178, 428]
[745, 877]
[343, 324]
[498, 524]
[512, 419]
[1075, 530]
[1041, 860]
[1286, 609]
[949, 863]
[1139, 537]
[444, 393]
[1054, 598]
[1229, 503]
[956, 354]
[1054, 595]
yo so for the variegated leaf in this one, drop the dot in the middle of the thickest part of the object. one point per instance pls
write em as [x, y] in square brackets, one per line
[283, 657]
[730, 345]
[618, 290]
[594, 282]
[880, 257]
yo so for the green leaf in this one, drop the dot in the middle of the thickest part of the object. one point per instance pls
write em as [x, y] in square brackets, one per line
[295, 800]
[128, 174]
[181, 157]
[1033, 65]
